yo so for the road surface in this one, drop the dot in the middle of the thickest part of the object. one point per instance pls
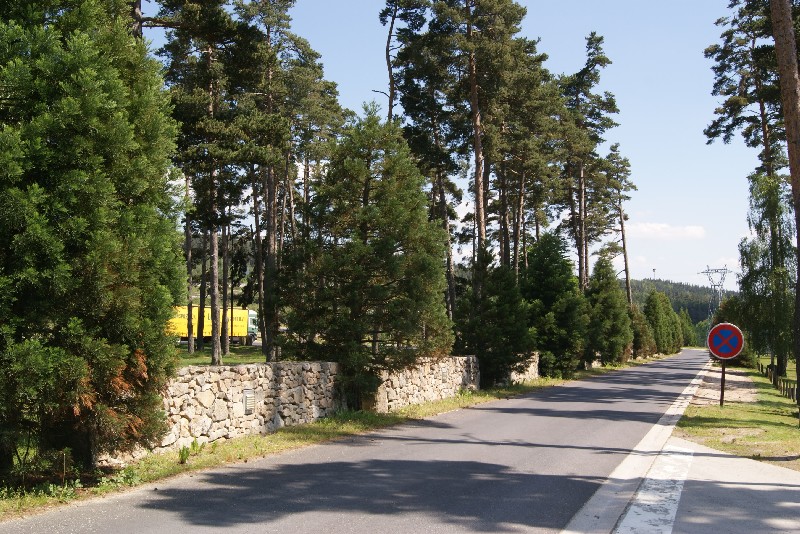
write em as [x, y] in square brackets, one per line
[520, 465]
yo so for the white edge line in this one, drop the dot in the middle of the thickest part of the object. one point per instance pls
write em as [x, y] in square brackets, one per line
[603, 511]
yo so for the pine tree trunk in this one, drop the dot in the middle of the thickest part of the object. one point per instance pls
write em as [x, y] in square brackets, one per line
[525, 237]
[188, 245]
[287, 210]
[444, 216]
[216, 358]
[477, 134]
[576, 229]
[201, 312]
[628, 292]
[271, 222]
[392, 21]
[292, 222]
[584, 241]
[136, 18]
[306, 196]
[270, 273]
[226, 318]
[450, 296]
[505, 236]
[487, 180]
[774, 227]
[786, 50]
[519, 217]
[766, 136]
[259, 259]
[216, 349]
[281, 228]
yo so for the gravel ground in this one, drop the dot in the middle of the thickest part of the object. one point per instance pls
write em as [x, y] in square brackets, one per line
[738, 387]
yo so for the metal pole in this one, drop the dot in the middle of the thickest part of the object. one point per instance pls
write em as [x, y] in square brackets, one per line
[722, 387]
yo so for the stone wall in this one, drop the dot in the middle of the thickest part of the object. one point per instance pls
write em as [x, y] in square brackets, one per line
[207, 403]
[530, 372]
[431, 379]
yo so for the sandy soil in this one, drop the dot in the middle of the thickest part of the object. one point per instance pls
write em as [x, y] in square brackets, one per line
[738, 387]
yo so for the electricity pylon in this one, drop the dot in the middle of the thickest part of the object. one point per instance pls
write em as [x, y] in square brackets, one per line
[716, 278]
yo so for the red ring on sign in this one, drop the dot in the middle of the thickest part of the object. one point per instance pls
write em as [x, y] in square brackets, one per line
[725, 341]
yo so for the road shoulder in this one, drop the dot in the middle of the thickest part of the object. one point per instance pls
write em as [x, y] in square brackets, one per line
[602, 512]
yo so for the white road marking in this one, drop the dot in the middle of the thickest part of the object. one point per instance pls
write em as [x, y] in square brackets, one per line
[656, 502]
[601, 513]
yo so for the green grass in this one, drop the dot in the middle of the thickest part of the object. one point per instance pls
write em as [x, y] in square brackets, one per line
[765, 430]
[240, 354]
[344, 424]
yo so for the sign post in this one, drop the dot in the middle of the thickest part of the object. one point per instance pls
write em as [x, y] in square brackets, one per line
[725, 342]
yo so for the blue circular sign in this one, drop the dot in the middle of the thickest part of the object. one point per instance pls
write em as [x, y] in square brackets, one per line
[725, 341]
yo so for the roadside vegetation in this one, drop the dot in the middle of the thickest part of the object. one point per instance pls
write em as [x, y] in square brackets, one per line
[766, 430]
[350, 257]
[45, 494]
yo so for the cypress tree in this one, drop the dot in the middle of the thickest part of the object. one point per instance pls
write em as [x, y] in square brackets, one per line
[376, 298]
[89, 255]
[644, 344]
[495, 328]
[609, 333]
[687, 328]
[664, 322]
[558, 314]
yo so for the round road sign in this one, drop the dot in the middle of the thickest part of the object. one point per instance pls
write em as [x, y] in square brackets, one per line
[725, 341]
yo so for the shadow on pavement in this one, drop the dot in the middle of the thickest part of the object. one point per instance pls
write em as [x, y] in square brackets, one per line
[476, 496]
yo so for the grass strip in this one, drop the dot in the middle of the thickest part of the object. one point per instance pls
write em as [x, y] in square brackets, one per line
[765, 430]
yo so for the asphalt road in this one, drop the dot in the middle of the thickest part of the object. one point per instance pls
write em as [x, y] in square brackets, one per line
[519, 465]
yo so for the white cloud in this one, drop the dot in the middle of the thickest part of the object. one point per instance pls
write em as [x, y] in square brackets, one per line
[665, 232]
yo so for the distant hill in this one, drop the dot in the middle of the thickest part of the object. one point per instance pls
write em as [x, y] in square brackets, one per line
[694, 298]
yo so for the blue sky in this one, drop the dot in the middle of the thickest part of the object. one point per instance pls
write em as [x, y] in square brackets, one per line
[690, 208]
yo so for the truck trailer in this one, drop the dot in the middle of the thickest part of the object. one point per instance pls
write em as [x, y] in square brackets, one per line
[242, 323]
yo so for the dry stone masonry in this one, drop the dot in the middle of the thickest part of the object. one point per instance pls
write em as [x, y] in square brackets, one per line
[530, 372]
[207, 403]
[431, 379]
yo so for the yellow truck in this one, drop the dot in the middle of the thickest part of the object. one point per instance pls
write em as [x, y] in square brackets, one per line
[243, 323]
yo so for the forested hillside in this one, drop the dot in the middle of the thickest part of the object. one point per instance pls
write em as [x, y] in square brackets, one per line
[693, 298]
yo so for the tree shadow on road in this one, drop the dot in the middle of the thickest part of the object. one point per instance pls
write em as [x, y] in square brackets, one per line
[468, 495]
